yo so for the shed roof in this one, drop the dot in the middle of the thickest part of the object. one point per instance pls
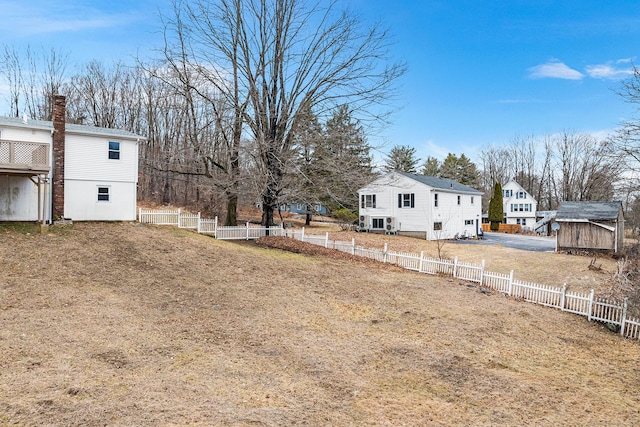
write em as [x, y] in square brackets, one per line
[69, 128]
[591, 211]
[444, 184]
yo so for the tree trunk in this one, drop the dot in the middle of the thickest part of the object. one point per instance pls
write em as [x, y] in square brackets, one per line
[232, 205]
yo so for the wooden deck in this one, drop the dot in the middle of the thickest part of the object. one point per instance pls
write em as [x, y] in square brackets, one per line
[24, 158]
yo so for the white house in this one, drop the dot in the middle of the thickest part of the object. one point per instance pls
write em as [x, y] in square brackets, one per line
[420, 206]
[52, 170]
[518, 205]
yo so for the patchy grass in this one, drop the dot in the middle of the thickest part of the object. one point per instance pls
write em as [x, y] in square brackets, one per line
[123, 324]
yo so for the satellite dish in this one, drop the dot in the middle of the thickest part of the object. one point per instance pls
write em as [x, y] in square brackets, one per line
[555, 226]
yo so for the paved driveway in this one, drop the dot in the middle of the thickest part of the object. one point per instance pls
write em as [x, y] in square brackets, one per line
[516, 241]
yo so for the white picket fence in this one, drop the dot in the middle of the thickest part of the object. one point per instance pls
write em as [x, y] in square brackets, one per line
[206, 226]
[587, 305]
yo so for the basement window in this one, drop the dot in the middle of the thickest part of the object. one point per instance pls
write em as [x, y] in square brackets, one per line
[103, 194]
[437, 226]
[114, 150]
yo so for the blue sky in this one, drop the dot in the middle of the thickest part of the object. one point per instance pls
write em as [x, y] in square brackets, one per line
[480, 72]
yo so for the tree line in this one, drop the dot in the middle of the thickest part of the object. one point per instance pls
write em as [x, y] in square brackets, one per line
[553, 168]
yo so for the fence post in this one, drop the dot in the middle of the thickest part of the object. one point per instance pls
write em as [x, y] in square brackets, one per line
[510, 289]
[302, 235]
[353, 246]
[455, 266]
[247, 230]
[139, 214]
[420, 264]
[624, 316]
[384, 256]
[178, 217]
[563, 296]
[482, 273]
[590, 304]
[198, 222]
[326, 240]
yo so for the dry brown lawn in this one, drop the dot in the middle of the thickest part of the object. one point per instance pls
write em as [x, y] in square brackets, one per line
[131, 325]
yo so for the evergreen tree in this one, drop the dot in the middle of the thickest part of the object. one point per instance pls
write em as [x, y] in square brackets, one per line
[343, 161]
[496, 214]
[303, 186]
[402, 158]
[459, 169]
[431, 167]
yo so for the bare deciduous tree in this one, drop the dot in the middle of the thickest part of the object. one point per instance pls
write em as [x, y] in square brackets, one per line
[289, 56]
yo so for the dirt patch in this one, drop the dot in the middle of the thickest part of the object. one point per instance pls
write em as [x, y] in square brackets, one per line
[123, 324]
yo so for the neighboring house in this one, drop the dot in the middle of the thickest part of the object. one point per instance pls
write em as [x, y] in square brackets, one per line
[420, 206]
[590, 226]
[53, 170]
[301, 208]
[518, 206]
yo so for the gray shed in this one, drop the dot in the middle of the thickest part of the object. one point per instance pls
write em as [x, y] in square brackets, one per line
[591, 226]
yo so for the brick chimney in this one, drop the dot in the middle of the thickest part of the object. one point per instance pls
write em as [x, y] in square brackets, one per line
[59, 112]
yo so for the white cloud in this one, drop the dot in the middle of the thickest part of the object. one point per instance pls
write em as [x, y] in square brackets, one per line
[554, 70]
[610, 70]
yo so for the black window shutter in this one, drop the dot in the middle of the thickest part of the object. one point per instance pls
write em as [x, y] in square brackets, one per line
[362, 201]
[374, 200]
[399, 200]
[413, 200]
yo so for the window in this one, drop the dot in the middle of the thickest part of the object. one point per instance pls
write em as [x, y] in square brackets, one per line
[471, 199]
[377, 223]
[406, 200]
[368, 201]
[437, 226]
[521, 195]
[524, 221]
[526, 207]
[103, 194]
[114, 150]
[468, 222]
[521, 208]
[507, 193]
[459, 200]
[518, 221]
[435, 200]
[511, 207]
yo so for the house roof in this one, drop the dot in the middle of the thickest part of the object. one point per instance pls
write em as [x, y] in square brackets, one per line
[591, 211]
[70, 128]
[444, 184]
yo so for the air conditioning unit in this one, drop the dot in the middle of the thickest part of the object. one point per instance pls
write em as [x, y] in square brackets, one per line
[364, 223]
[390, 225]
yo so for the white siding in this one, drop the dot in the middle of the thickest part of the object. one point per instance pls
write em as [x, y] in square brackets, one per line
[18, 199]
[87, 167]
[81, 201]
[26, 135]
[87, 158]
[518, 216]
[421, 217]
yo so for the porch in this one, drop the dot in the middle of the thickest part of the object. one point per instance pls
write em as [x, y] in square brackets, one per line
[28, 160]
[24, 158]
